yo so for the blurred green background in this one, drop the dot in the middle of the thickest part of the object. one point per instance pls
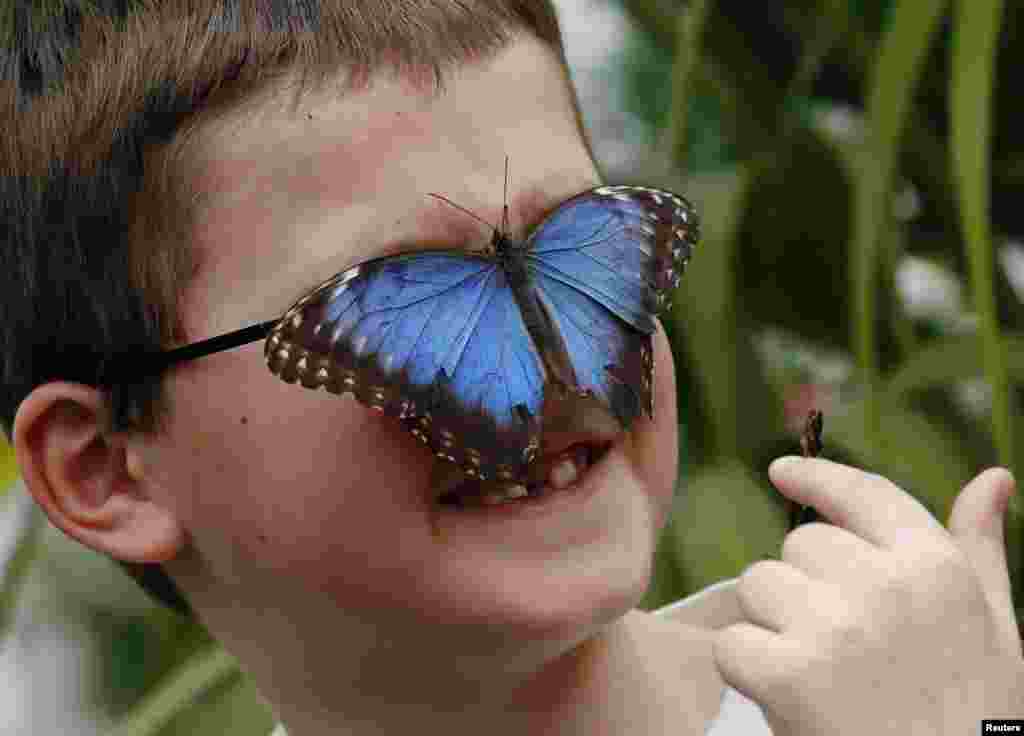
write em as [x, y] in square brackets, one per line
[854, 165]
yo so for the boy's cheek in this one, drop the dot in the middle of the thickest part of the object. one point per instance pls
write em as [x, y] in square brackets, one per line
[300, 459]
[652, 448]
[292, 492]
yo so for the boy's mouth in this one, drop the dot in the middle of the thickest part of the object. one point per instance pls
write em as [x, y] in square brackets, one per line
[560, 468]
[577, 434]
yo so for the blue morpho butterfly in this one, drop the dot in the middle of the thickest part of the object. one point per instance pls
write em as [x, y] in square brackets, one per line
[464, 348]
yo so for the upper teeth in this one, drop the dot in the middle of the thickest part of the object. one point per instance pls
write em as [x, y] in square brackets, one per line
[567, 469]
[563, 472]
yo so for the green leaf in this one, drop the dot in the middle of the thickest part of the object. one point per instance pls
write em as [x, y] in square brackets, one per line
[944, 361]
[209, 669]
[233, 708]
[706, 307]
[723, 521]
[8, 468]
[973, 75]
[889, 102]
[688, 55]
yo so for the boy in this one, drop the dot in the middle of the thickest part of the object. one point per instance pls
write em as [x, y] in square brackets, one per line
[294, 523]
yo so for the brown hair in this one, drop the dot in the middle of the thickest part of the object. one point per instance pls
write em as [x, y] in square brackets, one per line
[98, 101]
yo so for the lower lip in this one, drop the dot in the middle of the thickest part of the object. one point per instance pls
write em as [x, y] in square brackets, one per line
[552, 502]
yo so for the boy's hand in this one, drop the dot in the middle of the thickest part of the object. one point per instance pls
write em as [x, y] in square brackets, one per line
[884, 623]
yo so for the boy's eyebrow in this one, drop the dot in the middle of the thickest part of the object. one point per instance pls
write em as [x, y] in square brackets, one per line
[439, 226]
[429, 233]
[424, 224]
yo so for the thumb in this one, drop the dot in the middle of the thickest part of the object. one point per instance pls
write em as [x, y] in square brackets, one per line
[976, 522]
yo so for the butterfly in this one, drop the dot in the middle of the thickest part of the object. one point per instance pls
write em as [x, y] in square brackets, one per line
[463, 347]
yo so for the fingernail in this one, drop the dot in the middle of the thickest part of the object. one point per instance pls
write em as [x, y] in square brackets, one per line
[1004, 505]
[784, 464]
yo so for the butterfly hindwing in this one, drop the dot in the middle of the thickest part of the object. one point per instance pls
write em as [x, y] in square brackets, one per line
[433, 338]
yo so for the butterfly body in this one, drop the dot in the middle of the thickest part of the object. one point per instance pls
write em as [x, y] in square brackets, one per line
[465, 348]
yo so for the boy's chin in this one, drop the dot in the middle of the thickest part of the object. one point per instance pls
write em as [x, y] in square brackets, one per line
[558, 604]
[586, 558]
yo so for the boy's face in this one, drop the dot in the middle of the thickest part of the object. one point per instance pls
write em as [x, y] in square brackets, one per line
[297, 498]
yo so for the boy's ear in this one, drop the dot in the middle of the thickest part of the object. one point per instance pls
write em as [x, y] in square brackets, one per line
[92, 488]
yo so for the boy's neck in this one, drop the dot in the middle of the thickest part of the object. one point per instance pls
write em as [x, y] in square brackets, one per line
[642, 675]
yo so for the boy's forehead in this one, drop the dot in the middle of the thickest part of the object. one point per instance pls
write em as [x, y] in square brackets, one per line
[354, 141]
[296, 190]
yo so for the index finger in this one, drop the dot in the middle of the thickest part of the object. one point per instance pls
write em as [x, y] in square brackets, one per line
[872, 507]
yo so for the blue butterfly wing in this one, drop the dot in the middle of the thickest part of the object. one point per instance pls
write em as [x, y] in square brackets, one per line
[603, 264]
[433, 338]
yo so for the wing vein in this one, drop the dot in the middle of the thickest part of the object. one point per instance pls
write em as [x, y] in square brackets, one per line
[471, 325]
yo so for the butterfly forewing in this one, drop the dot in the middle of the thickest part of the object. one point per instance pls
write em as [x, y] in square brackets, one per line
[624, 247]
[432, 338]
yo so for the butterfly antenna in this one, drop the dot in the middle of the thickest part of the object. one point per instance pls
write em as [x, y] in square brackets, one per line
[504, 214]
[474, 216]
